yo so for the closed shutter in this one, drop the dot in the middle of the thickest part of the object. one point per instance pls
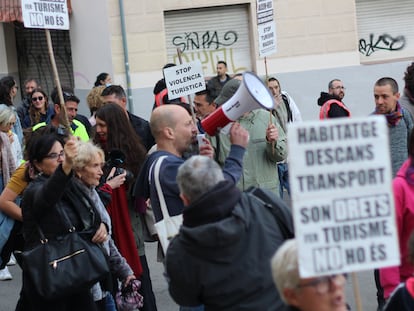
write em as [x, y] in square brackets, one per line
[385, 29]
[210, 34]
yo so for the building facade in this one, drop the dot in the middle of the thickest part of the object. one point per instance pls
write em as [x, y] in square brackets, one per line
[357, 41]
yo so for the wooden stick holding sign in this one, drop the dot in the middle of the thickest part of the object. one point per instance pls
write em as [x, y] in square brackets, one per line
[50, 15]
[357, 295]
[63, 116]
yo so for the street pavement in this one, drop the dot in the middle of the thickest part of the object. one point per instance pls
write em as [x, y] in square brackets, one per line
[9, 290]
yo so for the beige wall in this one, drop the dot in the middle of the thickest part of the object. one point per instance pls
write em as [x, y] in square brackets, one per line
[311, 34]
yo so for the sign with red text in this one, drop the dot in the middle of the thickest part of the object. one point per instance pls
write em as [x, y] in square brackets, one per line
[184, 79]
[266, 27]
[341, 188]
[45, 14]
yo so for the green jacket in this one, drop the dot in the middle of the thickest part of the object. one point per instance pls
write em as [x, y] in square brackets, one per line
[259, 162]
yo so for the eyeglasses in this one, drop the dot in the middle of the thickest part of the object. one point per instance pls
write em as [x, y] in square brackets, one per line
[55, 155]
[339, 88]
[324, 284]
[37, 98]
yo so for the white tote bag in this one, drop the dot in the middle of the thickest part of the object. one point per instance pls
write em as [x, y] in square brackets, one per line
[168, 226]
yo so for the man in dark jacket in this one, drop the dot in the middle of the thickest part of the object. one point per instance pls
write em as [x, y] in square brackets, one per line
[215, 84]
[220, 258]
[331, 102]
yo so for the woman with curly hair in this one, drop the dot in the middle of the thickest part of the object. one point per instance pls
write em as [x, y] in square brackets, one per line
[95, 101]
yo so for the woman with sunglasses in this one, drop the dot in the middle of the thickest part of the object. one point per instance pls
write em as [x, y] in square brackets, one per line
[39, 110]
[326, 293]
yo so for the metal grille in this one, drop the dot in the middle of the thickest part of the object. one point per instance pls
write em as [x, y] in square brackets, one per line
[33, 57]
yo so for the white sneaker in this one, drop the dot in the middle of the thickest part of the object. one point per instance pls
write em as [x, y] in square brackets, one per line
[5, 274]
[12, 261]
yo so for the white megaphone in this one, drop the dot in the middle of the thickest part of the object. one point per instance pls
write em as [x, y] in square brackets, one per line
[251, 94]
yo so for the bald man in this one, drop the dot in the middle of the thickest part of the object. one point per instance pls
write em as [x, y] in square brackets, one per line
[174, 131]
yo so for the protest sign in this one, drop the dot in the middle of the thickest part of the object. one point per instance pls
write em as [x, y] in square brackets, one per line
[343, 207]
[184, 79]
[45, 14]
[266, 27]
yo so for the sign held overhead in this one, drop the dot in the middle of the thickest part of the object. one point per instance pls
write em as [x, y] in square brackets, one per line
[343, 205]
[184, 79]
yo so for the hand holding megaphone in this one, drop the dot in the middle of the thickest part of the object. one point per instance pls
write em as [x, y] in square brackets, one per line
[251, 94]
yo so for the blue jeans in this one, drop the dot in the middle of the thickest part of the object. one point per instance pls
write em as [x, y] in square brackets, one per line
[198, 308]
[110, 303]
[283, 171]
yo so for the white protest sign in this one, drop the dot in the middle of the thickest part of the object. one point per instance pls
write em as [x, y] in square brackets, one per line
[341, 188]
[184, 79]
[45, 14]
[266, 27]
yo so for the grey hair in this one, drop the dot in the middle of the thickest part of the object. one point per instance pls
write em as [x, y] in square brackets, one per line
[198, 175]
[86, 152]
[285, 267]
[6, 114]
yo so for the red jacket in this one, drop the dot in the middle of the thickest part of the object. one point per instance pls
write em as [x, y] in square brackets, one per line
[404, 212]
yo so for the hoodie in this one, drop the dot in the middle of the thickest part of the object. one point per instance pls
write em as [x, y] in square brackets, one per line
[335, 110]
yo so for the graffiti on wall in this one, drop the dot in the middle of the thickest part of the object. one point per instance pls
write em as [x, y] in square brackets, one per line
[208, 47]
[382, 42]
[204, 40]
[209, 59]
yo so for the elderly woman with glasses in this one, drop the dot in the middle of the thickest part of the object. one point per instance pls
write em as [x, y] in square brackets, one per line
[39, 110]
[87, 166]
[54, 188]
[8, 91]
[325, 293]
[10, 155]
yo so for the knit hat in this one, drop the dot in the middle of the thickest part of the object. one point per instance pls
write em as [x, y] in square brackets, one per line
[227, 91]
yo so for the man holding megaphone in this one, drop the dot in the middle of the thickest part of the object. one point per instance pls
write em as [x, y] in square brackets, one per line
[267, 144]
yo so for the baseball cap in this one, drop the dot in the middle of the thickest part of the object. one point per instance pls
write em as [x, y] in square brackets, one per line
[227, 91]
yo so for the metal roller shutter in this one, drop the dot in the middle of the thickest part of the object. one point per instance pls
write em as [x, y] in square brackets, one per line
[385, 29]
[210, 34]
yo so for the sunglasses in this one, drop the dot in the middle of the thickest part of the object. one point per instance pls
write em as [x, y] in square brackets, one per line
[37, 98]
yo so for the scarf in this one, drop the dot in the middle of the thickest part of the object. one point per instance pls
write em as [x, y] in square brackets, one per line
[8, 163]
[394, 117]
[122, 229]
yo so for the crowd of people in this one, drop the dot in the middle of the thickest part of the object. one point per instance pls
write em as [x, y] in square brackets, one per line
[111, 174]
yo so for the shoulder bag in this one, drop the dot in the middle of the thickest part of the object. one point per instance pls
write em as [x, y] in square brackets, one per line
[168, 226]
[65, 264]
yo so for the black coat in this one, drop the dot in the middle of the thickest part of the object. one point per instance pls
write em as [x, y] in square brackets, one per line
[221, 256]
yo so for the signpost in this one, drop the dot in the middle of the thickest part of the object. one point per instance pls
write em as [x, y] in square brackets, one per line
[343, 207]
[48, 14]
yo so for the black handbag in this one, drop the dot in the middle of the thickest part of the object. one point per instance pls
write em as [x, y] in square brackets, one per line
[65, 264]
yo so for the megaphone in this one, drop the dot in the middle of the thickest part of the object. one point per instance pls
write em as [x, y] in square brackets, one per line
[251, 94]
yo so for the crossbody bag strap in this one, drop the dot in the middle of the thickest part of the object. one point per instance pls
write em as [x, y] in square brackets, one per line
[161, 199]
